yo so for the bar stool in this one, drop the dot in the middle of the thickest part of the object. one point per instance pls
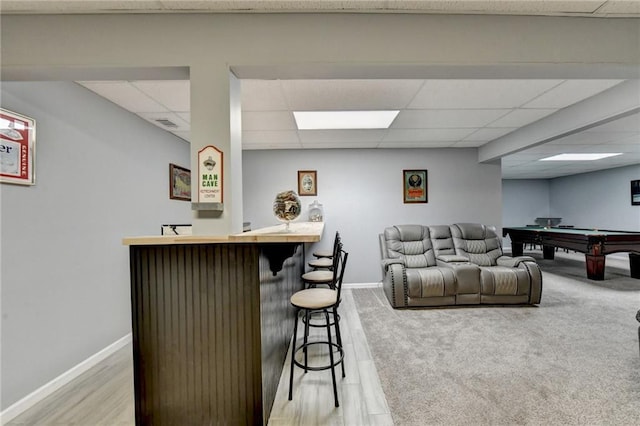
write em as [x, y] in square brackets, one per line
[327, 277]
[323, 267]
[325, 301]
[320, 254]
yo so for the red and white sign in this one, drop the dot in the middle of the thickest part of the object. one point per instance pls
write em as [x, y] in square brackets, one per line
[210, 175]
[17, 148]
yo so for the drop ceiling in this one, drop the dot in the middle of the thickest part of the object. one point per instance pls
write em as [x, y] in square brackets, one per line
[435, 113]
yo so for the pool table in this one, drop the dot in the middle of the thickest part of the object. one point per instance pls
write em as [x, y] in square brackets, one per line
[594, 243]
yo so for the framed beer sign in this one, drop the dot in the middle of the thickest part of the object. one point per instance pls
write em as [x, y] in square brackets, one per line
[17, 148]
[415, 186]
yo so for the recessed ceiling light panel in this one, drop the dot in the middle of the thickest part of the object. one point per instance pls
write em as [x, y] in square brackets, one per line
[580, 156]
[314, 120]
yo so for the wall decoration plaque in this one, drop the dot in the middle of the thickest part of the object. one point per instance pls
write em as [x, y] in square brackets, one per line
[17, 148]
[210, 175]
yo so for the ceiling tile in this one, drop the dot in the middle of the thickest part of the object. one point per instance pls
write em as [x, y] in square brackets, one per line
[631, 140]
[525, 156]
[341, 136]
[521, 117]
[482, 94]
[341, 145]
[619, 7]
[186, 116]
[570, 92]
[489, 133]
[268, 120]
[424, 144]
[173, 94]
[125, 95]
[270, 137]
[468, 144]
[159, 119]
[426, 135]
[319, 95]
[446, 119]
[262, 95]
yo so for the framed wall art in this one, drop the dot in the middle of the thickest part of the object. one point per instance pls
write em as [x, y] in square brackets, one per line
[635, 192]
[307, 182]
[17, 148]
[179, 183]
[414, 184]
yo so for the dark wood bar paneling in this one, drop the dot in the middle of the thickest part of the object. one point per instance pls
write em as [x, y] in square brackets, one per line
[276, 315]
[211, 328]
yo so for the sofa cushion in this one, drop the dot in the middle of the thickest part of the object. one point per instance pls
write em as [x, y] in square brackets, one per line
[441, 240]
[503, 281]
[411, 243]
[430, 282]
[480, 244]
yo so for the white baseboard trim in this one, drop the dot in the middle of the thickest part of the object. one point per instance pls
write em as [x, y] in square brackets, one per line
[361, 285]
[47, 389]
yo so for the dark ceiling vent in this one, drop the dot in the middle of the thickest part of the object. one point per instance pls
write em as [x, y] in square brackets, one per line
[167, 123]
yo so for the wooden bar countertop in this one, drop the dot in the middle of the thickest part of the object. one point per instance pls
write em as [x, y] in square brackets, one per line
[299, 232]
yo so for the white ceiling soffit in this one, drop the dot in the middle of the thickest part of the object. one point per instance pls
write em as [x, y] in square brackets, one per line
[433, 114]
[596, 8]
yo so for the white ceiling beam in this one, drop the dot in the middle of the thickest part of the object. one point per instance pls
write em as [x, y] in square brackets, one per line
[618, 102]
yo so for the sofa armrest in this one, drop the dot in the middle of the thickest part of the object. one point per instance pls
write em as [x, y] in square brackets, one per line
[394, 284]
[513, 262]
[388, 261]
[448, 258]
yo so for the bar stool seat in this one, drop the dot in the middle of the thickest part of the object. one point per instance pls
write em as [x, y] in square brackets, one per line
[323, 254]
[318, 277]
[314, 298]
[322, 263]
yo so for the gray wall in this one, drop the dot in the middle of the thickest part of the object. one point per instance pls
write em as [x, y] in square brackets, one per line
[101, 174]
[524, 200]
[361, 191]
[598, 199]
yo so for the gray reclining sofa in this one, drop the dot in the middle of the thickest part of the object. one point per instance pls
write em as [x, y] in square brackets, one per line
[459, 264]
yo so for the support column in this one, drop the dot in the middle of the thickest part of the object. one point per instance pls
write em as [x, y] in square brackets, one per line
[216, 120]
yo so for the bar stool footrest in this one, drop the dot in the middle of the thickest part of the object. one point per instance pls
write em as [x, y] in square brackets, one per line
[323, 325]
[336, 360]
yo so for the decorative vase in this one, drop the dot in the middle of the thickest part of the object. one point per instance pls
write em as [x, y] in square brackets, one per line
[286, 207]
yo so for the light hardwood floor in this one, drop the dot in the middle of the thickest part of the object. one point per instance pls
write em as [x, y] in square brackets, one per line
[104, 394]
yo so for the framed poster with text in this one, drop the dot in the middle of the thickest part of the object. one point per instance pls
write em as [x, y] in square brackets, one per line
[17, 148]
[414, 184]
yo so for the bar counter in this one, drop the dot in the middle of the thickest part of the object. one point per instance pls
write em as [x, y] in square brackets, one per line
[211, 322]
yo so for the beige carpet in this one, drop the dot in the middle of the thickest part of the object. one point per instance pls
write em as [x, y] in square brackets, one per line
[573, 360]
